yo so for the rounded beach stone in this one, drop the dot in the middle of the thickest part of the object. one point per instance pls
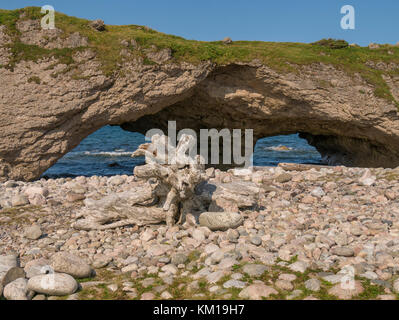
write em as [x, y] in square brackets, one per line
[220, 220]
[33, 232]
[65, 262]
[55, 284]
[12, 275]
[16, 290]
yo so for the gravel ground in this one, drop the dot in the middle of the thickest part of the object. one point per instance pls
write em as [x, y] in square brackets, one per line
[314, 233]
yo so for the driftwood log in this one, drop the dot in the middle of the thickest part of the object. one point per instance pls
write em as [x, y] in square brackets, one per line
[165, 189]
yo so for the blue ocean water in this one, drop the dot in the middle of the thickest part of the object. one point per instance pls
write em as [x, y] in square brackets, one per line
[108, 152]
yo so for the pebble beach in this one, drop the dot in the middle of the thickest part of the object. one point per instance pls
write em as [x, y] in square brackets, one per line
[310, 228]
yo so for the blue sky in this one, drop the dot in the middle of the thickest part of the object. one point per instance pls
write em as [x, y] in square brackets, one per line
[264, 20]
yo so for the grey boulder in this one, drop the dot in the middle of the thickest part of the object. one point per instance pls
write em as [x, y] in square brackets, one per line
[6, 263]
[33, 232]
[13, 274]
[17, 290]
[37, 267]
[98, 25]
[255, 270]
[19, 200]
[55, 284]
[64, 262]
[220, 220]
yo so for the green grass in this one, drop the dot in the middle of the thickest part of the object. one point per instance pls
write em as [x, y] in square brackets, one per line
[282, 57]
[34, 79]
[392, 176]
[179, 288]
[19, 215]
[193, 256]
[371, 291]
[332, 43]
[84, 280]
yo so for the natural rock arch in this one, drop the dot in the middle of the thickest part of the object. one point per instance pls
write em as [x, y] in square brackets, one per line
[335, 112]
[239, 96]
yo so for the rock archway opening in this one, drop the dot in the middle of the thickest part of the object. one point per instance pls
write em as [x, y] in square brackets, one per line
[285, 149]
[106, 152]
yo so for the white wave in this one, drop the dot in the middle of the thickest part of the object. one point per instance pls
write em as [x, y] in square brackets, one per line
[279, 148]
[108, 153]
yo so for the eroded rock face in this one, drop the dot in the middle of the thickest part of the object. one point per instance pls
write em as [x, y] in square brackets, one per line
[33, 34]
[339, 150]
[40, 121]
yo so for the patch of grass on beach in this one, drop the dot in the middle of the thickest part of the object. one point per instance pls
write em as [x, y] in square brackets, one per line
[34, 79]
[371, 291]
[18, 215]
[180, 288]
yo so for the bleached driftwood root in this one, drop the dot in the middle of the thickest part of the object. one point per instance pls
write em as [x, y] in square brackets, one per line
[164, 192]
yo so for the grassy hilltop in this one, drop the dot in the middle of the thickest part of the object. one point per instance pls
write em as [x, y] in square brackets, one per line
[283, 57]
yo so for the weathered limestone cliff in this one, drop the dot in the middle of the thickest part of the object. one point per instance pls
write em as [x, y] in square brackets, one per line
[59, 86]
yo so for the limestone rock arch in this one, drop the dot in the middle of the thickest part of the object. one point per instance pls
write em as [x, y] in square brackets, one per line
[335, 112]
